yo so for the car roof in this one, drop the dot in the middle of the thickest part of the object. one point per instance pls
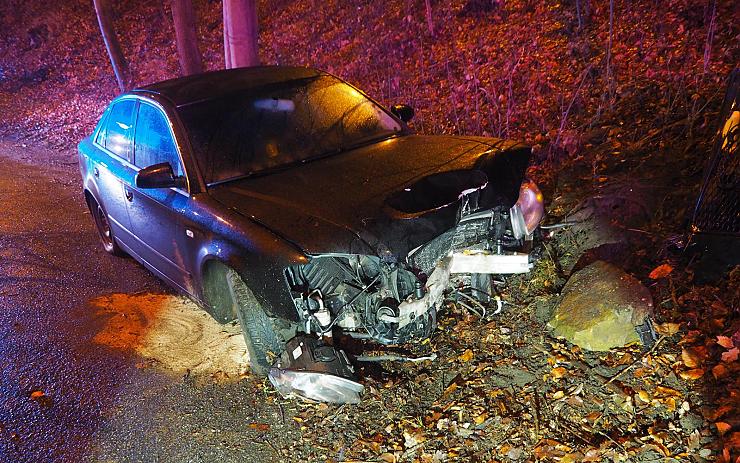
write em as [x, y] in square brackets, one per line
[209, 85]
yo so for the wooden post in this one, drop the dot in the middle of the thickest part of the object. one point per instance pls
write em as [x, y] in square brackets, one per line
[183, 17]
[240, 33]
[117, 60]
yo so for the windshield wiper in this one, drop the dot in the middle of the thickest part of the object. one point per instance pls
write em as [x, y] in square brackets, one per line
[256, 173]
[334, 152]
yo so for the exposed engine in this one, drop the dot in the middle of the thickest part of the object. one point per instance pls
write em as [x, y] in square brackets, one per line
[360, 294]
[394, 302]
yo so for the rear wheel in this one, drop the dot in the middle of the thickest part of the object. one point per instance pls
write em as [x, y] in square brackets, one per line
[263, 343]
[104, 230]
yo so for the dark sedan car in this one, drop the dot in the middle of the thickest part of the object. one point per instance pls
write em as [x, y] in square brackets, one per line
[287, 199]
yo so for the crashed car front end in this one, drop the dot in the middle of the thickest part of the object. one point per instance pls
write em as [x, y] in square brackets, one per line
[395, 301]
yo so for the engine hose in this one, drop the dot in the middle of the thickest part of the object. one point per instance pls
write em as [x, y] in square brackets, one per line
[323, 330]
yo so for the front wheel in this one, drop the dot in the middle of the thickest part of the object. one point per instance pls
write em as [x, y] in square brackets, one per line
[263, 343]
[104, 230]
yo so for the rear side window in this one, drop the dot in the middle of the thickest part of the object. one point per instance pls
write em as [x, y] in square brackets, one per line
[119, 128]
[154, 143]
[100, 128]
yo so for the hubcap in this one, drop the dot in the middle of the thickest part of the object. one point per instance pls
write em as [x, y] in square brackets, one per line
[105, 233]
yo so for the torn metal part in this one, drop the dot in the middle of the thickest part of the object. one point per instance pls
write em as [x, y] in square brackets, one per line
[646, 333]
[409, 310]
[486, 262]
[394, 358]
[313, 371]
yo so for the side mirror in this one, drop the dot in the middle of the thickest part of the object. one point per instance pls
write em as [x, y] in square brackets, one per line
[403, 112]
[159, 176]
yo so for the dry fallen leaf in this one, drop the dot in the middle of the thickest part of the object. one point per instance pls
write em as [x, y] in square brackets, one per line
[388, 457]
[722, 427]
[725, 342]
[644, 396]
[592, 455]
[691, 375]
[662, 391]
[669, 404]
[413, 438]
[260, 426]
[667, 329]
[558, 372]
[730, 355]
[660, 271]
[466, 356]
[714, 414]
[691, 358]
[719, 371]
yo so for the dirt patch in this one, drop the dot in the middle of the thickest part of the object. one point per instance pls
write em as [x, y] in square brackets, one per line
[172, 332]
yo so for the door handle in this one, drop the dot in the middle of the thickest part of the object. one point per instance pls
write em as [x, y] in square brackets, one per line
[96, 172]
[129, 194]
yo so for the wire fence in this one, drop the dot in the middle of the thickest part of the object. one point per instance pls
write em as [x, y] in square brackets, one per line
[718, 207]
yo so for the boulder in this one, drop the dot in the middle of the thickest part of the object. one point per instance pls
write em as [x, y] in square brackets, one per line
[601, 307]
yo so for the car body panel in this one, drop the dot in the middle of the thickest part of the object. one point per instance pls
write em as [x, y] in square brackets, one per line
[340, 204]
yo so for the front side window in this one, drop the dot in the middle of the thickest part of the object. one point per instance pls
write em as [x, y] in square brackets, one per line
[119, 128]
[154, 143]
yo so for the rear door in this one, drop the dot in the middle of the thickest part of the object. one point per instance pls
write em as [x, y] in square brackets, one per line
[157, 214]
[113, 168]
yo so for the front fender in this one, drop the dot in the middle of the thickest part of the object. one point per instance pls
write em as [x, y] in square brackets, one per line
[257, 255]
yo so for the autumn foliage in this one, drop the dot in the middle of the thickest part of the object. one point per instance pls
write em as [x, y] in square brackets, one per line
[634, 94]
[537, 71]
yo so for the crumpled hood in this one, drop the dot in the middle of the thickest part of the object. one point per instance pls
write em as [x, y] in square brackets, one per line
[379, 198]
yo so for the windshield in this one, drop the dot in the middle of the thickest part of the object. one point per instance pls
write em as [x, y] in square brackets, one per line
[242, 134]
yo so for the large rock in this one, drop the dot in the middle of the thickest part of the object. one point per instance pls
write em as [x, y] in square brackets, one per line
[600, 308]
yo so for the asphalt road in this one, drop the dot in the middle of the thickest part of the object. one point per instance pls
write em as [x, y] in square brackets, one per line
[66, 398]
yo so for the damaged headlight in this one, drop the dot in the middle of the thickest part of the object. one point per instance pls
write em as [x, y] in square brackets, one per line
[314, 371]
[528, 211]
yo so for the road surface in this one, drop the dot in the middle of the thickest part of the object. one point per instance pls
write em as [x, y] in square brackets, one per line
[69, 392]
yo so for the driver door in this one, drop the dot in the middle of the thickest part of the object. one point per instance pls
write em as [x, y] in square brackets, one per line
[156, 214]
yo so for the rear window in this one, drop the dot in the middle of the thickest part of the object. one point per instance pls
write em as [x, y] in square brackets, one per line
[100, 129]
[119, 129]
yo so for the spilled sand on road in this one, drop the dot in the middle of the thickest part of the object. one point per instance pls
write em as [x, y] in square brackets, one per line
[173, 333]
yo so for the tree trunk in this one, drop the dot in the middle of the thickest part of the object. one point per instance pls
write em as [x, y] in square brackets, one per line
[430, 21]
[240, 33]
[183, 16]
[117, 60]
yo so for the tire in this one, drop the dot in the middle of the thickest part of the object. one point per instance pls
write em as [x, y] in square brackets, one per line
[104, 231]
[263, 343]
